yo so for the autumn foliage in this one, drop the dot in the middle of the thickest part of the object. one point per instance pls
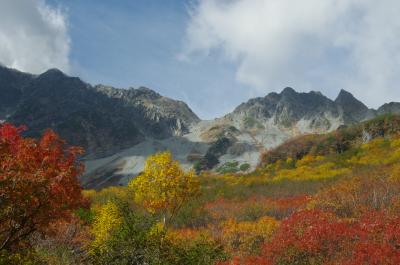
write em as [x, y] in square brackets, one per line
[316, 237]
[38, 184]
[319, 199]
[336, 142]
[164, 187]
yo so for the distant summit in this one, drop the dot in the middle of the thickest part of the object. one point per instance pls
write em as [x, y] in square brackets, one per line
[392, 107]
[307, 111]
[353, 109]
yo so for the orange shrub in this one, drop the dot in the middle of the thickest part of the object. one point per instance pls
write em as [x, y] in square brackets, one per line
[255, 207]
[356, 196]
[247, 237]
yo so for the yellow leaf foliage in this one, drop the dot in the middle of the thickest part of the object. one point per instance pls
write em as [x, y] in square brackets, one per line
[108, 218]
[163, 186]
[380, 151]
[246, 237]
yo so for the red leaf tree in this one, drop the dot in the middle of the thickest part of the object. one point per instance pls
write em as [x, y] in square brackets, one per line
[38, 184]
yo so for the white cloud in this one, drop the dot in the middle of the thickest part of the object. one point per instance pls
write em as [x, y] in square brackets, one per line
[33, 36]
[309, 44]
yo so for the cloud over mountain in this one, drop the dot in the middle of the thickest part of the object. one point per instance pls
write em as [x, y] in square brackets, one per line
[310, 44]
[33, 36]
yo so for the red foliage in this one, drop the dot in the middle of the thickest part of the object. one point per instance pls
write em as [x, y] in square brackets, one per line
[316, 237]
[38, 183]
[295, 148]
[378, 240]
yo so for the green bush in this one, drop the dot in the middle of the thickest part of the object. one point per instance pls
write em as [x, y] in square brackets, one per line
[244, 167]
[228, 167]
[207, 162]
[219, 147]
[24, 257]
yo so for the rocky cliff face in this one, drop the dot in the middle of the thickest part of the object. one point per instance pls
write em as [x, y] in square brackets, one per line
[163, 116]
[104, 120]
[352, 109]
[288, 110]
[306, 112]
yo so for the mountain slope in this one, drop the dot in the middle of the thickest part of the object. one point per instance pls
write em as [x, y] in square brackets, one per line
[95, 118]
[12, 83]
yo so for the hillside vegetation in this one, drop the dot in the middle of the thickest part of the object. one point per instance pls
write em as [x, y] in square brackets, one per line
[316, 199]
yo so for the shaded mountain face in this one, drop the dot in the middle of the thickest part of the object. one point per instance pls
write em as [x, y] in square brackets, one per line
[101, 119]
[12, 83]
[352, 109]
[392, 107]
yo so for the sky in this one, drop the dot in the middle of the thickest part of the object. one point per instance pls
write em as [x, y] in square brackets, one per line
[212, 54]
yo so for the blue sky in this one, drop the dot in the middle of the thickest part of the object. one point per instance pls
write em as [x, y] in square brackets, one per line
[137, 43]
[212, 54]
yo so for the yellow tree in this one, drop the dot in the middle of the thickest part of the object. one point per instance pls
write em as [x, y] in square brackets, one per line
[108, 219]
[164, 187]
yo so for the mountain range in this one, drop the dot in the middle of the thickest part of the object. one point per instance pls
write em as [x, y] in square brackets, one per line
[120, 127]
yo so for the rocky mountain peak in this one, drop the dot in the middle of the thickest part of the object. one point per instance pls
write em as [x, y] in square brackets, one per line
[308, 112]
[345, 98]
[353, 109]
[146, 90]
[288, 108]
[52, 73]
[145, 93]
[288, 91]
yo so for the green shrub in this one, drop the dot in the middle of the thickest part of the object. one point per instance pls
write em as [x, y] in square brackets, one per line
[197, 252]
[207, 162]
[23, 257]
[228, 167]
[244, 167]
